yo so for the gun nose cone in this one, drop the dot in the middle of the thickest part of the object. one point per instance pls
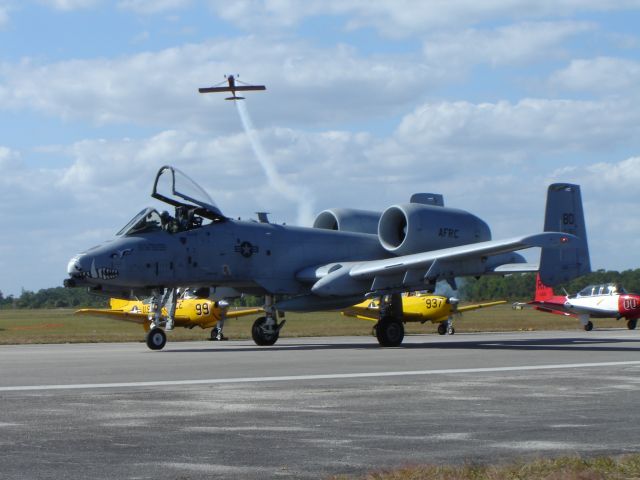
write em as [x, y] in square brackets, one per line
[75, 268]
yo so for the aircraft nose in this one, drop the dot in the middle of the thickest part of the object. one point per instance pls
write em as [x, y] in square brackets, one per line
[75, 267]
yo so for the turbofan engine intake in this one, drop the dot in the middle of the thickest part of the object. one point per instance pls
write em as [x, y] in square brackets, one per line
[348, 220]
[411, 228]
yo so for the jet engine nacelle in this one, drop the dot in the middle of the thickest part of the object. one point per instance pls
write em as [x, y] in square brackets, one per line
[411, 228]
[348, 220]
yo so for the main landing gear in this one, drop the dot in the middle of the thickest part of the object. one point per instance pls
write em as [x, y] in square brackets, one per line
[390, 329]
[266, 330]
[156, 338]
[446, 327]
[631, 324]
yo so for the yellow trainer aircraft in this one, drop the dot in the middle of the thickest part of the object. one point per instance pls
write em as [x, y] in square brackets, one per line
[192, 310]
[420, 307]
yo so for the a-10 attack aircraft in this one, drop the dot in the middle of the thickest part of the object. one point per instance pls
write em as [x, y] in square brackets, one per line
[420, 308]
[347, 256]
[607, 300]
[194, 308]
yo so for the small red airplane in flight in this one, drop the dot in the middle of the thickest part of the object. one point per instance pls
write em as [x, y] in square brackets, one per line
[607, 300]
[232, 87]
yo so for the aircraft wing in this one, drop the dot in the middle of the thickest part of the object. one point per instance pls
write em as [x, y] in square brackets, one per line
[243, 88]
[362, 311]
[237, 88]
[468, 308]
[214, 89]
[464, 252]
[134, 317]
[544, 307]
[243, 312]
[407, 271]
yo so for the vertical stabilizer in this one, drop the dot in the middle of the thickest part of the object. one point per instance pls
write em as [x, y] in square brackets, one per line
[543, 292]
[564, 214]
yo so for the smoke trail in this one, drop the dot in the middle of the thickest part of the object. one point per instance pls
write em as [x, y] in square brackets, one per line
[296, 194]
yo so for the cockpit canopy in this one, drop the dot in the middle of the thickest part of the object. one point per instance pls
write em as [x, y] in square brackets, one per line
[175, 188]
[603, 289]
[147, 220]
[192, 205]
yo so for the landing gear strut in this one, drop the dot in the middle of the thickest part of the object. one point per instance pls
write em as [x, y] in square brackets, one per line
[446, 327]
[266, 330]
[156, 338]
[390, 329]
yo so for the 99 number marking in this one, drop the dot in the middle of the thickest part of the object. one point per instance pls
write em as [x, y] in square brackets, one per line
[202, 309]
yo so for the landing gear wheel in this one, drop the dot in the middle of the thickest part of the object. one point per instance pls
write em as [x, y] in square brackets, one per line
[390, 332]
[589, 326]
[261, 335]
[442, 329]
[156, 339]
[214, 334]
[632, 324]
[451, 330]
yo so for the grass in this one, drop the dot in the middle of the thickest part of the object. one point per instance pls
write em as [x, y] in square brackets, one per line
[624, 467]
[61, 326]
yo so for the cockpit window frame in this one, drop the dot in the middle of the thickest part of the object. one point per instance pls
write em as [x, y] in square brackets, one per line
[130, 227]
[201, 208]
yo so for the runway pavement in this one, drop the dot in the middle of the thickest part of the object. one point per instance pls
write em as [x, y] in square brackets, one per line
[313, 407]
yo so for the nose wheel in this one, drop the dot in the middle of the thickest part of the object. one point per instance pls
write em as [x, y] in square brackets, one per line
[156, 339]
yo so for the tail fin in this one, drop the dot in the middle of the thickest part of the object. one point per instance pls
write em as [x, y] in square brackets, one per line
[543, 292]
[564, 214]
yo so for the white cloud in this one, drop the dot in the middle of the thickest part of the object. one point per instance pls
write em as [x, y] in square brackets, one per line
[4, 16]
[8, 158]
[599, 75]
[403, 18]
[517, 43]
[69, 5]
[530, 126]
[305, 84]
[148, 7]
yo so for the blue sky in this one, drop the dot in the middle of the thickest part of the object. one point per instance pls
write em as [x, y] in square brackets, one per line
[366, 103]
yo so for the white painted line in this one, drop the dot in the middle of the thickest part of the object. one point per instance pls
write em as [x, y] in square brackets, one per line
[330, 376]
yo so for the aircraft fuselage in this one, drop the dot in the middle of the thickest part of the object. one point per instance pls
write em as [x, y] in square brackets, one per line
[252, 257]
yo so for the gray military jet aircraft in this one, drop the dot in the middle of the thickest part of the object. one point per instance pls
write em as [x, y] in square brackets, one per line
[346, 256]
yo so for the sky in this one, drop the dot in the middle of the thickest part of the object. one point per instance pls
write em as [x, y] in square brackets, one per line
[367, 102]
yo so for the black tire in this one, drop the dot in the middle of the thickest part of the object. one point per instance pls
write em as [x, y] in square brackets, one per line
[214, 334]
[156, 339]
[262, 337]
[390, 332]
[589, 326]
[632, 324]
[442, 328]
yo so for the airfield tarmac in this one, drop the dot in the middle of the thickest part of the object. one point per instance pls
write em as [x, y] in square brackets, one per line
[313, 407]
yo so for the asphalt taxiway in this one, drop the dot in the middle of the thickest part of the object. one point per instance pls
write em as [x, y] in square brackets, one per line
[313, 407]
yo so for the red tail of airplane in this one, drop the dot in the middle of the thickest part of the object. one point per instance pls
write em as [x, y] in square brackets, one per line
[543, 292]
